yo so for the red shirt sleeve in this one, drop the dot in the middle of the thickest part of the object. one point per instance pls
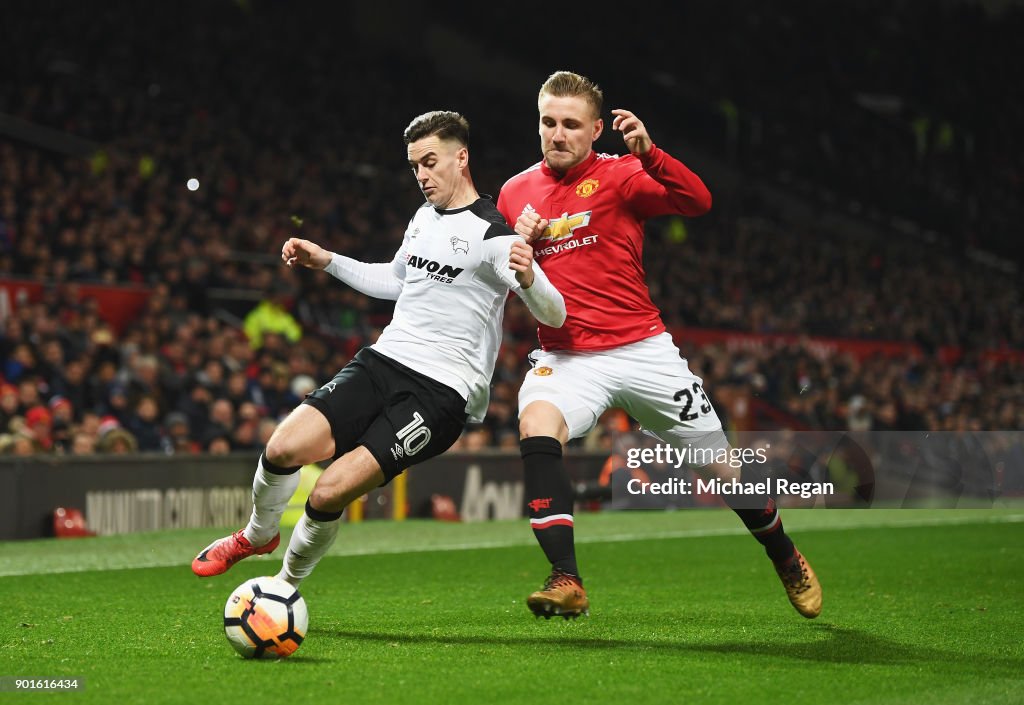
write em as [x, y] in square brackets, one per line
[663, 185]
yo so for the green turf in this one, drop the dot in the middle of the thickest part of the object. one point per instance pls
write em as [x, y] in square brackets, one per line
[920, 607]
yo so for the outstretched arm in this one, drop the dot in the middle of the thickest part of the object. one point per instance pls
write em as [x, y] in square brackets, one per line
[382, 280]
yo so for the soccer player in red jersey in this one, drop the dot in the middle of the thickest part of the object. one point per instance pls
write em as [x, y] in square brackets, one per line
[584, 213]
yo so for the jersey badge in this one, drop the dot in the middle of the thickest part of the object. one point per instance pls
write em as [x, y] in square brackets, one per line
[459, 245]
[586, 188]
[542, 371]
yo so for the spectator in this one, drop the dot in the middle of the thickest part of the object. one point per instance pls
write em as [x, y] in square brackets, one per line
[218, 444]
[143, 423]
[39, 425]
[271, 316]
[82, 444]
[117, 441]
[19, 444]
[176, 437]
[9, 405]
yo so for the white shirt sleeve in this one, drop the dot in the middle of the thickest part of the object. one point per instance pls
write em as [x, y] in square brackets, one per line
[381, 280]
[542, 298]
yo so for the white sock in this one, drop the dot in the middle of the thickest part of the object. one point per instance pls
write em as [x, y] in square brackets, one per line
[270, 495]
[308, 544]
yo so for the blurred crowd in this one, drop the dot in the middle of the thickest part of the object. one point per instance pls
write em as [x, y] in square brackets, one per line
[908, 108]
[305, 140]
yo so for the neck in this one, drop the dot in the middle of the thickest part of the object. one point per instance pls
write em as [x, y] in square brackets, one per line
[464, 195]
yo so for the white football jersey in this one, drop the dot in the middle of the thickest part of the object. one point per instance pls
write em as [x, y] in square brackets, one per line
[454, 269]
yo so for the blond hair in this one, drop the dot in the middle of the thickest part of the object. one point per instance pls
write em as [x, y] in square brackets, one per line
[563, 84]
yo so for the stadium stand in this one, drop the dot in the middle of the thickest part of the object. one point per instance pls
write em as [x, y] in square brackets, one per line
[110, 110]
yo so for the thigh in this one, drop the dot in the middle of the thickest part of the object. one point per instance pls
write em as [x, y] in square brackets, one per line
[350, 402]
[662, 393]
[416, 425]
[576, 384]
[303, 437]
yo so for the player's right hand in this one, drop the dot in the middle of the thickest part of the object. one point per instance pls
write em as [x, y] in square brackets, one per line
[531, 226]
[520, 260]
[299, 252]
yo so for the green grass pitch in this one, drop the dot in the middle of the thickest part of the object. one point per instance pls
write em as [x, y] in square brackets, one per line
[921, 606]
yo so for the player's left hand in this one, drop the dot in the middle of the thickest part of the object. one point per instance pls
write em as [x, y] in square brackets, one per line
[520, 259]
[633, 131]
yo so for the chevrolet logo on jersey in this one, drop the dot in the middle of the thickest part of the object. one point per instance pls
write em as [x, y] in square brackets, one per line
[565, 225]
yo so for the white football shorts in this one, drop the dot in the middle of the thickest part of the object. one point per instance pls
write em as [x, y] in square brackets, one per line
[648, 379]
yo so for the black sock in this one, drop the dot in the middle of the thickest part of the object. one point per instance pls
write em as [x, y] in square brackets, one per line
[549, 500]
[277, 469]
[320, 515]
[764, 524]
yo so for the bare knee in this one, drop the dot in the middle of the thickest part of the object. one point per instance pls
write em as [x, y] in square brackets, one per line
[304, 437]
[532, 426]
[541, 418]
[346, 479]
[285, 450]
[281, 451]
[326, 499]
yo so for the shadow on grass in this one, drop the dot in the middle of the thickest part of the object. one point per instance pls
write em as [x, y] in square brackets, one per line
[838, 645]
[299, 659]
[841, 645]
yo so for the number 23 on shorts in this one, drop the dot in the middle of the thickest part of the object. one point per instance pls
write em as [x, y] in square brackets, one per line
[688, 395]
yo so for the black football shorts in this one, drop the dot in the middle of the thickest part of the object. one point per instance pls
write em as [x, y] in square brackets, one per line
[401, 416]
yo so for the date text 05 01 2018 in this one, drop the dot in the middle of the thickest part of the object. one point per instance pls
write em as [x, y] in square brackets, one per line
[21, 683]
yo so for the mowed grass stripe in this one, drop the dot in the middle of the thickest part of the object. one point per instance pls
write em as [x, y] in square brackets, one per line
[178, 547]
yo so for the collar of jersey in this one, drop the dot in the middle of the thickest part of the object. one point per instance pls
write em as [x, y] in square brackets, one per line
[442, 211]
[574, 173]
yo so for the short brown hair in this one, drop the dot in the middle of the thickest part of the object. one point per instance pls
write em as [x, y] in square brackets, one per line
[562, 84]
[446, 124]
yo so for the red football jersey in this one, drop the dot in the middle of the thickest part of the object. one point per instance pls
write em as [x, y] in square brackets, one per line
[592, 250]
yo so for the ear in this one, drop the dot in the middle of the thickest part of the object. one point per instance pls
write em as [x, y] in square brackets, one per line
[462, 157]
[598, 128]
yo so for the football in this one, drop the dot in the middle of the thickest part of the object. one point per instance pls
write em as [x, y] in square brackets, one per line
[265, 618]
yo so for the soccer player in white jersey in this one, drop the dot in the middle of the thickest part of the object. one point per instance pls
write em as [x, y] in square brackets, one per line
[405, 398]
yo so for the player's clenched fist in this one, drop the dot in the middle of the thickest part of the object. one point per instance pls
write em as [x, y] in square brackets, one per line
[520, 259]
[297, 251]
[531, 226]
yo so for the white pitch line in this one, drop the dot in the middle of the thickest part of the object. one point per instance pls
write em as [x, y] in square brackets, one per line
[168, 562]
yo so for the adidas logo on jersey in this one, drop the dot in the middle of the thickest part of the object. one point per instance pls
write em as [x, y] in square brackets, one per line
[444, 273]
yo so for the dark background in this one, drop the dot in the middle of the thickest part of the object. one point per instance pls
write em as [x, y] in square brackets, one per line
[865, 160]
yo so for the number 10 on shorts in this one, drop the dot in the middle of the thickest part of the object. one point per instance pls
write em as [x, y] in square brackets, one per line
[414, 435]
